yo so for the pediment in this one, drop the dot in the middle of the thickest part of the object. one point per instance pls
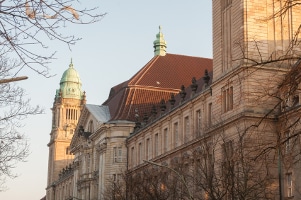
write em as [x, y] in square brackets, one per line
[92, 116]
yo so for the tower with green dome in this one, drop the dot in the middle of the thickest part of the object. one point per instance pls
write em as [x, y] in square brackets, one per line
[68, 102]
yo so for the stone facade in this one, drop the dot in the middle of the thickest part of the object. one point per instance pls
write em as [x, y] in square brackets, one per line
[252, 57]
[241, 118]
[252, 31]
[100, 153]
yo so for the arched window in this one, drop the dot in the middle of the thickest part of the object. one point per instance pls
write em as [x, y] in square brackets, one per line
[90, 127]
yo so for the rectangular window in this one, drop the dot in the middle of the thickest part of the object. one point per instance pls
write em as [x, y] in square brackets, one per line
[58, 117]
[227, 164]
[228, 168]
[140, 153]
[289, 183]
[88, 163]
[198, 123]
[165, 134]
[147, 148]
[197, 172]
[156, 144]
[210, 114]
[230, 98]
[187, 129]
[176, 134]
[227, 99]
[68, 151]
[96, 161]
[117, 153]
[288, 142]
[226, 23]
[228, 150]
[208, 158]
[132, 157]
[224, 100]
[116, 177]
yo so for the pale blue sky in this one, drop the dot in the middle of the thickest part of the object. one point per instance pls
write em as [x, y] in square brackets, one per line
[110, 52]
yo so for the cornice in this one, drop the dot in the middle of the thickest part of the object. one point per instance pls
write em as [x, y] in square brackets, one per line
[174, 111]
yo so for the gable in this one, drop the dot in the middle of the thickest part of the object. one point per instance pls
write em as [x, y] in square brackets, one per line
[91, 113]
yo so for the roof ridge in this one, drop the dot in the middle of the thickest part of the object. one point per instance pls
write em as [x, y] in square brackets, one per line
[131, 99]
[174, 54]
[142, 71]
[121, 104]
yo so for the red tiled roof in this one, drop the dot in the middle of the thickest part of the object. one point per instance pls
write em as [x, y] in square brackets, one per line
[141, 99]
[171, 71]
[157, 80]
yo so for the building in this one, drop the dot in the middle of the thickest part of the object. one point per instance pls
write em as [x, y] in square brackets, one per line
[230, 125]
[98, 145]
[237, 137]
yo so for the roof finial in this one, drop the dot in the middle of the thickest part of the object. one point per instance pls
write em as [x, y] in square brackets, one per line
[160, 44]
[71, 64]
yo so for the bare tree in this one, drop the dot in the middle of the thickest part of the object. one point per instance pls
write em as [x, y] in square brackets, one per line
[14, 108]
[215, 168]
[24, 25]
[152, 182]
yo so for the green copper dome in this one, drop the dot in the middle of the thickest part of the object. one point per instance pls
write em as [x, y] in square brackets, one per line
[71, 75]
[70, 84]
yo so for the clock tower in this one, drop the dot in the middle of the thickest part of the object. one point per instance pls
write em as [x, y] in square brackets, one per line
[68, 102]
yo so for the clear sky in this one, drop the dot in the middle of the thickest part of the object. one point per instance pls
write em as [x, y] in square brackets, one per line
[110, 52]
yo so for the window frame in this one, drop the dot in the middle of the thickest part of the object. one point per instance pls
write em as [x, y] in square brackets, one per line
[187, 128]
[117, 154]
[165, 140]
[198, 122]
[148, 149]
[227, 98]
[156, 144]
[289, 184]
[140, 153]
[176, 134]
[210, 114]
